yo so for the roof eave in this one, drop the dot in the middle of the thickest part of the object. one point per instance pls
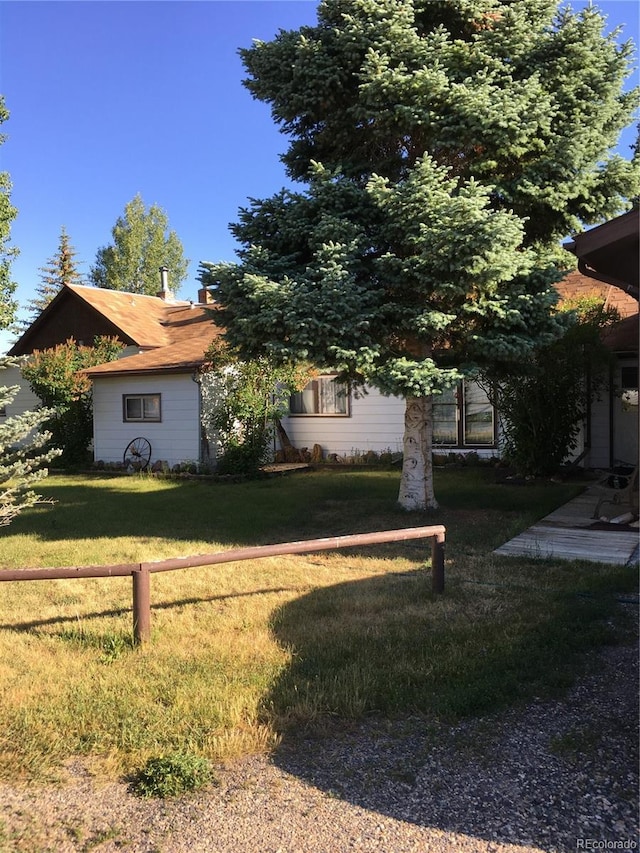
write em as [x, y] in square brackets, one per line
[188, 367]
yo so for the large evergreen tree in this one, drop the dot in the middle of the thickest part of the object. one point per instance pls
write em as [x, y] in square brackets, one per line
[142, 243]
[448, 148]
[8, 304]
[61, 269]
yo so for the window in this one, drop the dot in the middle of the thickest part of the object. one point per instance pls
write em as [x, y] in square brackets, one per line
[322, 396]
[463, 417]
[629, 387]
[141, 407]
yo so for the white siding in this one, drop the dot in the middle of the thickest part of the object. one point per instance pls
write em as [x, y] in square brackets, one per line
[25, 400]
[599, 451]
[625, 421]
[175, 439]
[375, 423]
[608, 412]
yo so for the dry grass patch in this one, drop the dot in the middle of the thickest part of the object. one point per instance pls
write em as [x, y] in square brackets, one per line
[240, 652]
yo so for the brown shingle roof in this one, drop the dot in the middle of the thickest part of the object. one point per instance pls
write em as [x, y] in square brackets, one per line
[82, 312]
[141, 318]
[622, 337]
[188, 332]
[576, 286]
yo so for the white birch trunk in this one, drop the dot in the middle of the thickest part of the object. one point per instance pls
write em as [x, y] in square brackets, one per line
[416, 485]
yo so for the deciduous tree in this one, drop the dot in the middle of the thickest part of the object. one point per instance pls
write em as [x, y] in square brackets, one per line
[55, 377]
[23, 453]
[142, 243]
[8, 304]
[447, 149]
[242, 402]
[544, 406]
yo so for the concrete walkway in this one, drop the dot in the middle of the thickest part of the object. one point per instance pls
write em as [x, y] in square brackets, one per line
[567, 534]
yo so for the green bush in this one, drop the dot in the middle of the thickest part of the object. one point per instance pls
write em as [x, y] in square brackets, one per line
[543, 408]
[172, 775]
[55, 377]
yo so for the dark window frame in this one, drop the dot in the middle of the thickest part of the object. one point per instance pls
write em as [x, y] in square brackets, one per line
[461, 424]
[141, 420]
[314, 387]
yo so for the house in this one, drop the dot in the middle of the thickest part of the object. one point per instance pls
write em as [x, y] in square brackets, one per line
[464, 419]
[152, 390]
[609, 258]
[353, 424]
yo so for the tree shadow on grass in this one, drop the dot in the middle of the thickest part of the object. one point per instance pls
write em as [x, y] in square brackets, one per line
[123, 611]
[246, 513]
[453, 733]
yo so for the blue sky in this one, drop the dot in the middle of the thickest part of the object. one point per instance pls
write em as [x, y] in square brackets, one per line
[111, 99]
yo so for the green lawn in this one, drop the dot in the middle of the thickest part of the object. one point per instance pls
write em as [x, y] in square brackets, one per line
[242, 652]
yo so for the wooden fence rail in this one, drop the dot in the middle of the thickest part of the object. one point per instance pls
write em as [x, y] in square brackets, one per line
[141, 572]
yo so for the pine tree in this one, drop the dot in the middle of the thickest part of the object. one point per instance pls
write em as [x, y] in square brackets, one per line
[447, 149]
[141, 245]
[61, 270]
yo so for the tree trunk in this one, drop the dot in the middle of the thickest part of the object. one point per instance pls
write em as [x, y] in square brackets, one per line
[289, 452]
[416, 485]
[285, 441]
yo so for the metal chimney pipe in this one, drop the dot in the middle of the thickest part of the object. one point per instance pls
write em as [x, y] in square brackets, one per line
[164, 279]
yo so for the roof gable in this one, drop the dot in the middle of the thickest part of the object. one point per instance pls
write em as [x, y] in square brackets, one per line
[83, 313]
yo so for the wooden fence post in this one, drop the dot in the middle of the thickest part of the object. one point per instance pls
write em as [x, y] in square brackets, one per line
[141, 572]
[437, 563]
[141, 604]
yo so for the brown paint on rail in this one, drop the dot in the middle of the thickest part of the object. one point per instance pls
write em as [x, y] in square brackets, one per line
[140, 572]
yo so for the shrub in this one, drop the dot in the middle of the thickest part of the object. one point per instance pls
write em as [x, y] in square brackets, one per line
[241, 402]
[172, 775]
[542, 409]
[54, 376]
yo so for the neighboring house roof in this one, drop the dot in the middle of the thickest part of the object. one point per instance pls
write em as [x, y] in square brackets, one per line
[578, 286]
[610, 252]
[621, 337]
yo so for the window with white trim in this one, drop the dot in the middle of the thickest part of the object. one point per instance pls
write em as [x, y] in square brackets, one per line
[463, 417]
[141, 408]
[324, 395]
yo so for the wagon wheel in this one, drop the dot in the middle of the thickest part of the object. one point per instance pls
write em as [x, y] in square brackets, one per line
[137, 454]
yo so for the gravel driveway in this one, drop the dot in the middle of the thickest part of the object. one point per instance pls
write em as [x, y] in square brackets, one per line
[553, 776]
